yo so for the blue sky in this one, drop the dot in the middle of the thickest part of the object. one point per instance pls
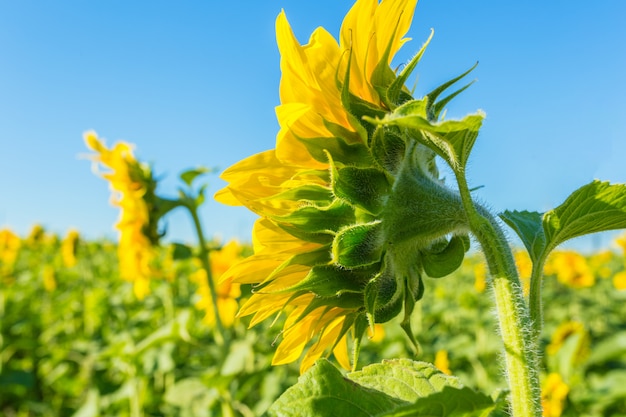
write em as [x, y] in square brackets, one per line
[196, 82]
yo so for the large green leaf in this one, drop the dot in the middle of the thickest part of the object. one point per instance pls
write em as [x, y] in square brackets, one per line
[404, 379]
[393, 388]
[529, 227]
[595, 207]
[324, 391]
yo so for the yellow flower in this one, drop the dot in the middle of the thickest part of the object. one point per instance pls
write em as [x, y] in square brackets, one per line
[619, 280]
[69, 247]
[341, 243]
[376, 334]
[570, 268]
[563, 333]
[525, 268]
[132, 189]
[9, 247]
[49, 281]
[228, 292]
[621, 242]
[599, 262]
[480, 276]
[442, 362]
[36, 235]
[294, 267]
[553, 394]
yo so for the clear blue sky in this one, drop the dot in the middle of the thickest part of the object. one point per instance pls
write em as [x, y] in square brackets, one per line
[196, 82]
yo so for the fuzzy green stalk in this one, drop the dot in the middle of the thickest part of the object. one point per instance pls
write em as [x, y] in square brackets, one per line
[520, 353]
[206, 265]
[534, 297]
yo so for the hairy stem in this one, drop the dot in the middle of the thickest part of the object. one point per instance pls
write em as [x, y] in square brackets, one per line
[534, 298]
[520, 353]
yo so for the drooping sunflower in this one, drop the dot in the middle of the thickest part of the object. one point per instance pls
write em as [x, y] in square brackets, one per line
[352, 213]
[133, 191]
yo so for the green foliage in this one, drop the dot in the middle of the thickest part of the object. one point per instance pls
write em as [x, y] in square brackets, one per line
[595, 207]
[89, 348]
[392, 388]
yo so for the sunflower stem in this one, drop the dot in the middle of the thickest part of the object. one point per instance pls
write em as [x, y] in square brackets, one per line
[520, 354]
[206, 265]
[534, 298]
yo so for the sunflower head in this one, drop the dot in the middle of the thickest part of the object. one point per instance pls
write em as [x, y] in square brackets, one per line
[353, 211]
[133, 191]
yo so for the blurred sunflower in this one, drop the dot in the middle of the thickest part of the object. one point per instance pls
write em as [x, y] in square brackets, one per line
[69, 247]
[571, 268]
[9, 248]
[352, 213]
[566, 331]
[228, 292]
[553, 394]
[133, 189]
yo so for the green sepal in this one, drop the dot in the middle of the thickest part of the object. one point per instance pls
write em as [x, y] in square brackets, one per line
[314, 194]
[389, 285]
[440, 262]
[365, 188]
[394, 91]
[453, 140]
[359, 245]
[361, 323]
[356, 154]
[330, 281]
[319, 256]
[433, 95]
[320, 219]
[388, 149]
[439, 105]
[383, 76]
[414, 291]
[323, 237]
[370, 297]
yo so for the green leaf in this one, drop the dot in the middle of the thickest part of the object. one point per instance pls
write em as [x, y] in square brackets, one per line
[595, 207]
[393, 388]
[323, 391]
[359, 245]
[444, 262]
[529, 227]
[450, 402]
[181, 251]
[190, 175]
[404, 379]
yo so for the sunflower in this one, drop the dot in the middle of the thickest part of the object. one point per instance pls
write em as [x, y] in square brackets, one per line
[10, 244]
[69, 247]
[133, 192]
[351, 213]
[228, 292]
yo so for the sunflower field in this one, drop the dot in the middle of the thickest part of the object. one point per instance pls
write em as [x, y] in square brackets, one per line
[76, 341]
[371, 286]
